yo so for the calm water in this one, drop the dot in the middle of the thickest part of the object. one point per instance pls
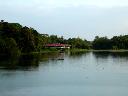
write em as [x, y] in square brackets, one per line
[79, 74]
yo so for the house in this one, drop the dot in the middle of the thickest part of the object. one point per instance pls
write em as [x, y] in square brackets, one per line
[58, 45]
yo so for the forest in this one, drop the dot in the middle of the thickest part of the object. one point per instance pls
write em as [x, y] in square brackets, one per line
[16, 39]
[115, 43]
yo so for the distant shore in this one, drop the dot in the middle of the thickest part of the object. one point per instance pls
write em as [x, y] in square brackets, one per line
[121, 50]
[85, 50]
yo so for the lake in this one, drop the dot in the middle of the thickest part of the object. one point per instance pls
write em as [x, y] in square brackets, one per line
[65, 74]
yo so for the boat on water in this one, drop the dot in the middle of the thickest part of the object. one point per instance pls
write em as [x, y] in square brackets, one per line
[60, 59]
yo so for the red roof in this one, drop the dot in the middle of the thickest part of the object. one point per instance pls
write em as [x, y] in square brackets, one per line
[57, 45]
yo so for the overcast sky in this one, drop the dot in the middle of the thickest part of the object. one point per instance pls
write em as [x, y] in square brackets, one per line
[70, 18]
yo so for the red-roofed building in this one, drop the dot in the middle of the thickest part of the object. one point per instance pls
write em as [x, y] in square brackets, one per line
[58, 45]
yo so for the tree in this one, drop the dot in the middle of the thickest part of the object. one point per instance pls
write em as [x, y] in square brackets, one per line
[121, 42]
[11, 47]
[78, 43]
[101, 43]
[26, 39]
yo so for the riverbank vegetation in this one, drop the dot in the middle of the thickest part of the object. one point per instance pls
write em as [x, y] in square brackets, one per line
[115, 43]
[16, 39]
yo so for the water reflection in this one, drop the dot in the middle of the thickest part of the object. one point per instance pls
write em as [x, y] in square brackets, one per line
[24, 62]
[52, 56]
[111, 59]
[106, 54]
[33, 61]
[77, 54]
[28, 61]
[79, 74]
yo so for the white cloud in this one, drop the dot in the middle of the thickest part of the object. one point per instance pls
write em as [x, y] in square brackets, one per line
[64, 3]
[71, 18]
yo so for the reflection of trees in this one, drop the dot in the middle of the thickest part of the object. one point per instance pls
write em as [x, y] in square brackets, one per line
[101, 54]
[78, 53]
[120, 54]
[7, 62]
[31, 60]
[21, 62]
[27, 61]
[106, 54]
[52, 55]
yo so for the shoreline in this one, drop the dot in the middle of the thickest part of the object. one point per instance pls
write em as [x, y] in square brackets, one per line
[71, 50]
[76, 50]
[92, 50]
[121, 50]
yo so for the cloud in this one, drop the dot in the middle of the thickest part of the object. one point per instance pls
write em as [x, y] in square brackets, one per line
[64, 3]
[71, 18]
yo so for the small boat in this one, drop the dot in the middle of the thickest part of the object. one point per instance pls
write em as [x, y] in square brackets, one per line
[60, 59]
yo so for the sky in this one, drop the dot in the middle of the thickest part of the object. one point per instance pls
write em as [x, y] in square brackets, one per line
[69, 18]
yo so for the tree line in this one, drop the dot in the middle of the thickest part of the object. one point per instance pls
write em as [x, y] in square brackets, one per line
[115, 43]
[74, 42]
[16, 39]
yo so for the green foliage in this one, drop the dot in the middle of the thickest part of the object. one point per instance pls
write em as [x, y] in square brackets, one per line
[18, 38]
[115, 43]
[101, 43]
[114, 47]
[121, 42]
[56, 39]
[9, 46]
[27, 41]
[78, 43]
[74, 42]
[2, 46]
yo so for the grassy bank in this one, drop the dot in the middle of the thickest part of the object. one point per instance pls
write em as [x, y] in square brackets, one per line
[78, 50]
[121, 50]
[53, 50]
[92, 50]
